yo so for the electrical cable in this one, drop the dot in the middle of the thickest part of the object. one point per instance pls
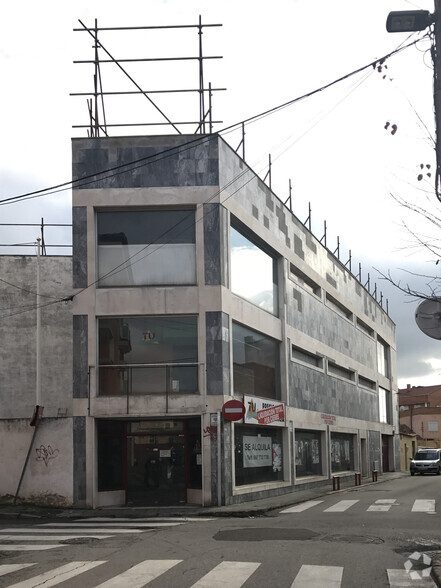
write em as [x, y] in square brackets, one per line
[226, 130]
[188, 145]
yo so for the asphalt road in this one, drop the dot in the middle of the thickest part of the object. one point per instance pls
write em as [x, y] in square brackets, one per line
[362, 537]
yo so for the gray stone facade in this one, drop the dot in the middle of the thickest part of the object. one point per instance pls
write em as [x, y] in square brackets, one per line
[203, 173]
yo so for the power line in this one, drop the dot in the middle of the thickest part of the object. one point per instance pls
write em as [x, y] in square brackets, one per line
[145, 160]
[167, 153]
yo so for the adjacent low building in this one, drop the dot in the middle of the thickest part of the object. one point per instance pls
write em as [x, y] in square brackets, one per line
[36, 467]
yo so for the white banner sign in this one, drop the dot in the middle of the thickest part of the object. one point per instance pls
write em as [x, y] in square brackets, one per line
[261, 411]
[257, 452]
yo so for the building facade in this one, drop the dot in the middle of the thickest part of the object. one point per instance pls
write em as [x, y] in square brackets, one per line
[420, 411]
[195, 285]
[36, 462]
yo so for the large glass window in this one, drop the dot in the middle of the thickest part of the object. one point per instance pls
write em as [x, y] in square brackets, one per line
[146, 247]
[253, 273]
[148, 355]
[258, 454]
[383, 357]
[255, 363]
[308, 453]
[342, 452]
[384, 402]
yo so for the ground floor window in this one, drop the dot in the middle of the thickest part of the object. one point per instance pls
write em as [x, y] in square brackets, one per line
[308, 453]
[342, 452]
[111, 454]
[258, 454]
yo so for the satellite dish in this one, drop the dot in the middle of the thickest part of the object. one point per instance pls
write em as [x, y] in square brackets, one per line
[428, 317]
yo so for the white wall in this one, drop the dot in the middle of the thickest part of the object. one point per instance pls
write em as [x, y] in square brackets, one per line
[48, 478]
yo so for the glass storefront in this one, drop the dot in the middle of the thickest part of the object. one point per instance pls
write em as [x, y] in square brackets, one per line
[308, 453]
[258, 454]
[155, 462]
[342, 452]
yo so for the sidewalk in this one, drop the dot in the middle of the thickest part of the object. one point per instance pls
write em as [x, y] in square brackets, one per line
[254, 508]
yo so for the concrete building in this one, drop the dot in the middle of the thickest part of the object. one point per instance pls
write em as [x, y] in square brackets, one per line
[48, 475]
[420, 410]
[194, 285]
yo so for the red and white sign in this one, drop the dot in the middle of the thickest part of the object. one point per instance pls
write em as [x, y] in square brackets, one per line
[233, 410]
[261, 411]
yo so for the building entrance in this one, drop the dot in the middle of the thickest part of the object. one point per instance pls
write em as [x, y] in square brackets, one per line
[155, 463]
[161, 461]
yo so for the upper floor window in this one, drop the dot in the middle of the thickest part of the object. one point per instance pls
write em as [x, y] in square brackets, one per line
[297, 353]
[365, 328]
[383, 357]
[384, 405]
[337, 370]
[148, 355]
[255, 363]
[146, 247]
[253, 272]
[338, 307]
[305, 280]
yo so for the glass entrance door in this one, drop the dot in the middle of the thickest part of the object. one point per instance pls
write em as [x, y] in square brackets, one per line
[156, 463]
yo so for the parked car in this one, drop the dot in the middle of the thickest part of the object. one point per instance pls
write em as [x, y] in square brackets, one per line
[426, 461]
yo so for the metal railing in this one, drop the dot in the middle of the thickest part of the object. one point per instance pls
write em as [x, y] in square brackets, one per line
[131, 380]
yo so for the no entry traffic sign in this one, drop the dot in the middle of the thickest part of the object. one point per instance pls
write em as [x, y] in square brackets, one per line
[233, 410]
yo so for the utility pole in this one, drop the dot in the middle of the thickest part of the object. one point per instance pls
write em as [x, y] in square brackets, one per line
[406, 21]
[436, 58]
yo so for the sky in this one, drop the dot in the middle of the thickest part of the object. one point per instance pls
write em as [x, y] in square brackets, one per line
[337, 147]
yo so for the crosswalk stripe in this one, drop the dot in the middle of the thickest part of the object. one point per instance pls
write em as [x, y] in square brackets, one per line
[147, 519]
[302, 506]
[9, 568]
[50, 537]
[231, 573]
[341, 506]
[318, 576]
[58, 575]
[69, 530]
[382, 505]
[9, 547]
[141, 574]
[427, 505]
[402, 579]
[115, 525]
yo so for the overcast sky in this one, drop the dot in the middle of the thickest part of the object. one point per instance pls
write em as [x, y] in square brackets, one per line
[334, 146]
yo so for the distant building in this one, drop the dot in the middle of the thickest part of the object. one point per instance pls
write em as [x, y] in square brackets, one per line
[420, 410]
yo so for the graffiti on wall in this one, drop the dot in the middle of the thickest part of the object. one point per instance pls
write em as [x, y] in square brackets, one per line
[45, 454]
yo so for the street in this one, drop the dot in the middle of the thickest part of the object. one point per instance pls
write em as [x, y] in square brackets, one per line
[364, 537]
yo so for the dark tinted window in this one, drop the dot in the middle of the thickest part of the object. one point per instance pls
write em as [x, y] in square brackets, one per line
[146, 226]
[427, 455]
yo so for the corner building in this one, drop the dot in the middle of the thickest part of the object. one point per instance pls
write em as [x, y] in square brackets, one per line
[197, 285]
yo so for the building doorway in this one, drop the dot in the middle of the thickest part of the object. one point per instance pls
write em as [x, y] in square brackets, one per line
[385, 453]
[159, 461]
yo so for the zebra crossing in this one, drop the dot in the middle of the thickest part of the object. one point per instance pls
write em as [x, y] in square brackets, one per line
[233, 574]
[47, 536]
[381, 505]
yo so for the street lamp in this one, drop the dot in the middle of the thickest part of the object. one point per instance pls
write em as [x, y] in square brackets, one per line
[405, 21]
